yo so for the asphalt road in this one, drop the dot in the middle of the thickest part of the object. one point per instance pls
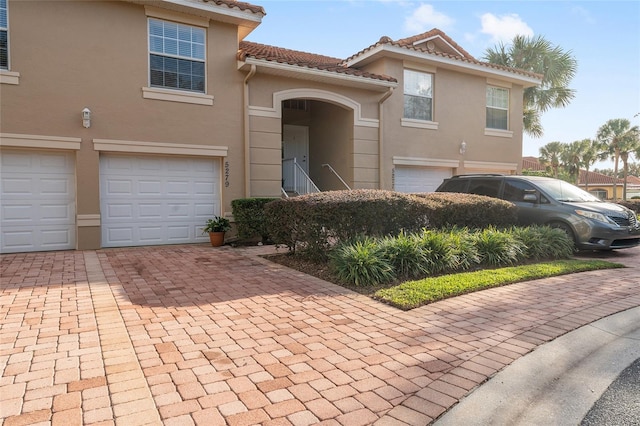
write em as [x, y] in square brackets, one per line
[619, 405]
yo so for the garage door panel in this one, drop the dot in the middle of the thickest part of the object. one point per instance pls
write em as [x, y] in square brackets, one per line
[116, 235]
[52, 238]
[179, 232]
[149, 187]
[179, 211]
[17, 186]
[152, 234]
[54, 186]
[38, 238]
[166, 201]
[61, 213]
[179, 187]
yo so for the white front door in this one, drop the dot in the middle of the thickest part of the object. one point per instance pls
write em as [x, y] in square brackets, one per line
[149, 200]
[38, 201]
[295, 141]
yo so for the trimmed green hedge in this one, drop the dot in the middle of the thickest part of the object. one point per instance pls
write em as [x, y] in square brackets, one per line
[313, 223]
[249, 216]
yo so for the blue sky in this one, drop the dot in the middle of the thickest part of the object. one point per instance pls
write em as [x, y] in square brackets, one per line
[604, 36]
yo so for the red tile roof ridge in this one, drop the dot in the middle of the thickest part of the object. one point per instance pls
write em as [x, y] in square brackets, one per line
[470, 59]
[240, 5]
[409, 41]
[302, 59]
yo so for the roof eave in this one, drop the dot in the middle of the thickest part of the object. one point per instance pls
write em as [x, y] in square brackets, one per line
[246, 20]
[314, 74]
[382, 50]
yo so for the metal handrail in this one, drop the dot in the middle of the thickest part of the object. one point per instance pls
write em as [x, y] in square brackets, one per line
[296, 179]
[337, 175]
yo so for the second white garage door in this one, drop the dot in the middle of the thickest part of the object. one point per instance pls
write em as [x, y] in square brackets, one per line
[150, 200]
[419, 179]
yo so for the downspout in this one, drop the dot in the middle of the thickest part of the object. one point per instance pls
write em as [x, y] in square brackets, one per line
[380, 136]
[247, 147]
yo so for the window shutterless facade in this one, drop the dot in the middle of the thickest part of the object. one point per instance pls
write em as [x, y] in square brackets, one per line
[176, 56]
[497, 108]
[4, 35]
[418, 95]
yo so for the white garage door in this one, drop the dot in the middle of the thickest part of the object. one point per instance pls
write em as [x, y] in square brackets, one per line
[419, 179]
[149, 200]
[38, 194]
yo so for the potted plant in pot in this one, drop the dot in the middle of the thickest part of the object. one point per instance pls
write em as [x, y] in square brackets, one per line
[216, 228]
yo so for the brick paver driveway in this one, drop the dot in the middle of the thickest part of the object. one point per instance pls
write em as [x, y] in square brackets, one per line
[184, 335]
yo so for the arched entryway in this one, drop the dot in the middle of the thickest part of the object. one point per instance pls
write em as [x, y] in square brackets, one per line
[323, 131]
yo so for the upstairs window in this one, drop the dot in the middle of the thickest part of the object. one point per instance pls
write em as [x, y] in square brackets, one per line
[497, 108]
[176, 56]
[418, 95]
[4, 36]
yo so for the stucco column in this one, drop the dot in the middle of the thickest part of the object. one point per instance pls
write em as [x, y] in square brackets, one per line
[87, 197]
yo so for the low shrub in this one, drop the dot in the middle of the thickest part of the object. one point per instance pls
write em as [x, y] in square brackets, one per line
[430, 252]
[438, 247]
[544, 242]
[498, 248]
[250, 217]
[464, 254]
[362, 263]
[408, 257]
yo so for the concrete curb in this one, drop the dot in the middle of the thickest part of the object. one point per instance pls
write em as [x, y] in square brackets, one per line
[559, 381]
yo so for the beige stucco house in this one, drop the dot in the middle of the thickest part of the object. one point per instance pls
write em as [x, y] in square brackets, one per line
[131, 122]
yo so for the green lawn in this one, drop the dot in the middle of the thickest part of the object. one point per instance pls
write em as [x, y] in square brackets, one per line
[412, 294]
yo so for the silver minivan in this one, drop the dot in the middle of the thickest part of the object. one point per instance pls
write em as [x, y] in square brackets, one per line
[591, 223]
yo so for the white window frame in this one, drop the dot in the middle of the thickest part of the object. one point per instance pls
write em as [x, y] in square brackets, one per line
[7, 76]
[489, 100]
[168, 93]
[408, 120]
[5, 28]
[190, 45]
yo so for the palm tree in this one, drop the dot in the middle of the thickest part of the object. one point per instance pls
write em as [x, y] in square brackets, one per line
[550, 156]
[618, 136]
[591, 151]
[627, 148]
[572, 160]
[538, 55]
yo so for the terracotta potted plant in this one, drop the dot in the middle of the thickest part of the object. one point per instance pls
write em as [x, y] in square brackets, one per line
[216, 228]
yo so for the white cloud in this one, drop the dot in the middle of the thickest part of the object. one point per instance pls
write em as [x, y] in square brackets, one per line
[503, 28]
[424, 18]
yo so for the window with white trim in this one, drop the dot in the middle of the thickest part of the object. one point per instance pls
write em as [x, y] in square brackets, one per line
[4, 36]
[418, 95]
[176, 56]
[497, 108]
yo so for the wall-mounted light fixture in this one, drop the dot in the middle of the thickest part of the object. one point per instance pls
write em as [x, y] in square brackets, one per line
[86, 118]
[463, 147]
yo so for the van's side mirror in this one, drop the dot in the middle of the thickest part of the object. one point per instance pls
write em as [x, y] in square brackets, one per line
[530, 196]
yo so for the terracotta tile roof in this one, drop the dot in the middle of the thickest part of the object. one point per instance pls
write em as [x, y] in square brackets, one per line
[302, 59]
[532, 163]
[240, 5]
[405, 44]
[409, 41]
[598, 179]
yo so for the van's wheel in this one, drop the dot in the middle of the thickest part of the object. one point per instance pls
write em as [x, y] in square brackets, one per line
[567, 230]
